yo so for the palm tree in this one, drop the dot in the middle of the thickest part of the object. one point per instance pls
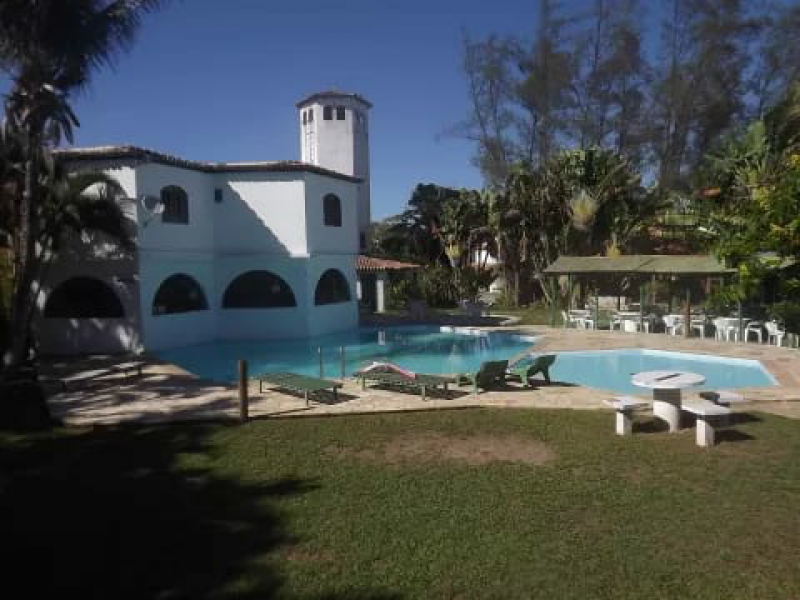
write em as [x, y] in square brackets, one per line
[49, 49]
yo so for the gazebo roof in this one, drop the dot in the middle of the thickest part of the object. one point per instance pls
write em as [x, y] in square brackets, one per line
[638, 264]
[370, 263]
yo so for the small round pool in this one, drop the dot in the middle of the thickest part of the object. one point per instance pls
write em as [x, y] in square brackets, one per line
[612, 369]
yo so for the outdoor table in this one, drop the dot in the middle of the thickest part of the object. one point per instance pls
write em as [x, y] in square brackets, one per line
[629, 321]
[667, 386]
[731, 325]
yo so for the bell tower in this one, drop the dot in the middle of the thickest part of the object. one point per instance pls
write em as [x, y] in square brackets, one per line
[334, 134]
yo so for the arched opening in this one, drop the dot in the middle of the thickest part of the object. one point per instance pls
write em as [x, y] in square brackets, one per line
[258, 289]
[176, 204]
[332, 288]
[179, 293]
[332, 210]
[83, 298]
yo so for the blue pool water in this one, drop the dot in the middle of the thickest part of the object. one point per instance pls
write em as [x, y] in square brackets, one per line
[423, 349]
[612, 369]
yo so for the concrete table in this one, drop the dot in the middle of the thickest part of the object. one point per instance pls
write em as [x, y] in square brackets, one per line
[667, 386]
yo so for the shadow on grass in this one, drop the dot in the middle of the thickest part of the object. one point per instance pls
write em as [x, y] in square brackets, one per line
[111, 514]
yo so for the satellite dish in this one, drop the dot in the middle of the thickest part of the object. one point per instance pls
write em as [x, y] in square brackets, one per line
[152, 205]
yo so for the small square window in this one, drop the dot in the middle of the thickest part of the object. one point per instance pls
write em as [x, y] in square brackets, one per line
[340, 113]
[327, 113]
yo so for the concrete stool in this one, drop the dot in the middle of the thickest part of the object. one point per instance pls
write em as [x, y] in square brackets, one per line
[707, 414]
[625, 405]
[723, 398]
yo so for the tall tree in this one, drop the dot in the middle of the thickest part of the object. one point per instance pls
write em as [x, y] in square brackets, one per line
[49, 49]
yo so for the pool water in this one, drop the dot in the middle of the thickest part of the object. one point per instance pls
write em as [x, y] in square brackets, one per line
[423, 349]
[612, 369]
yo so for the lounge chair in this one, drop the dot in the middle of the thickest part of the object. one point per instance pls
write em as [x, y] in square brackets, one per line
[128, 369]
[491, 373]
[297, 383]
[392, 375]
[541, 364]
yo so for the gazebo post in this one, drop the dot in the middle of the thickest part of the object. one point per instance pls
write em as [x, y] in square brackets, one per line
[741, 322]
[687, 326]
[569, 291]
[596, 306]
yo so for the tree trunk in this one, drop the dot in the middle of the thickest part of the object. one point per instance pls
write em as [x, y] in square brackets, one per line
[21, 305]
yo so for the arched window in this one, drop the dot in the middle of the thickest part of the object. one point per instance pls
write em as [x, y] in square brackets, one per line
[332, 210]
[332, 288]
[258, 289]
[176, 205]
[83, 298]
[177, 294]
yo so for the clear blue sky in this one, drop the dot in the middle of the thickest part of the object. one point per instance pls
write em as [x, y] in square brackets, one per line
[218, 80]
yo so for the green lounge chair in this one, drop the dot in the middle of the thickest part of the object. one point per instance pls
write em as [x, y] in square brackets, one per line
[492, 372]
[525, 373]
[418, 381]
[297, 383]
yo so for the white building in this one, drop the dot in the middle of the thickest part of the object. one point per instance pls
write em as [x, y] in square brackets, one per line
[235, 251]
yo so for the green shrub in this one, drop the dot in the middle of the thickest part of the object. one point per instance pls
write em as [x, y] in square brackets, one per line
[787, 313]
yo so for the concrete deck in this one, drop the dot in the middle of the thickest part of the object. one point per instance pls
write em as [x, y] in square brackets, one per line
[166, 393]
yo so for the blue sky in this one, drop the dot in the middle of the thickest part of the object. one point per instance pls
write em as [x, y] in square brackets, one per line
[218, 80]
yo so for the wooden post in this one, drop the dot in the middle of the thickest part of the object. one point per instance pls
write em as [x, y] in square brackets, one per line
[596, 306]
[244, 402]
[687, 325]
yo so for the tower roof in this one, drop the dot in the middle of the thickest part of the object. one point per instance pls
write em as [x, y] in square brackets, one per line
[334, 94]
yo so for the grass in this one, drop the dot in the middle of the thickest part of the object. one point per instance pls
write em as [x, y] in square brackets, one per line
[296, 508]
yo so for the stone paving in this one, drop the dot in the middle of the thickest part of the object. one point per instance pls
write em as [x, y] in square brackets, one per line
[166, 393]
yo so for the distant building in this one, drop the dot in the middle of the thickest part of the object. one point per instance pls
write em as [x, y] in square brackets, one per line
[236, 251]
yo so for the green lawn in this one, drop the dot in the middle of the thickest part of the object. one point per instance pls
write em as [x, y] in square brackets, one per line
[312, 508]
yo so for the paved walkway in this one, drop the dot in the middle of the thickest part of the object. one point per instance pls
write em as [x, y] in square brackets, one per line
[166, 393]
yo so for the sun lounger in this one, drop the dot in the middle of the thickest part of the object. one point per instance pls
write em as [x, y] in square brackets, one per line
[391, 375]
[491, 373]
[541, 364]
[127, 368]
[297, 383]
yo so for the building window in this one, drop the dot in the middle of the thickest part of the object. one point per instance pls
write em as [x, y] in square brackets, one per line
[310, 115]
[327, 113]
[177, 294]
[340, 113]
[83, 298]
[332, 210]
[176, 205]
[332, 288]
[258, 289]
[305, 117]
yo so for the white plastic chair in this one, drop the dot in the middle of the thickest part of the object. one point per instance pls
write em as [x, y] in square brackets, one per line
[774, 332]
[755, 328]
[722, 329]
[673, 323]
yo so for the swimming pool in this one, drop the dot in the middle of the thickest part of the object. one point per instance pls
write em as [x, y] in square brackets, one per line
[424, 349]
[612, 369]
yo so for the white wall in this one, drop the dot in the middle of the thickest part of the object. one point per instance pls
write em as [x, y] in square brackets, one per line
[82, 336]
[261, 212]
[262, 323]
[323, 239]
[180, 329]
[198, 233]
[329, 318]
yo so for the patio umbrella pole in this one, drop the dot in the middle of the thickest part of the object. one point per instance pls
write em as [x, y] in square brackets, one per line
[687, 325]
